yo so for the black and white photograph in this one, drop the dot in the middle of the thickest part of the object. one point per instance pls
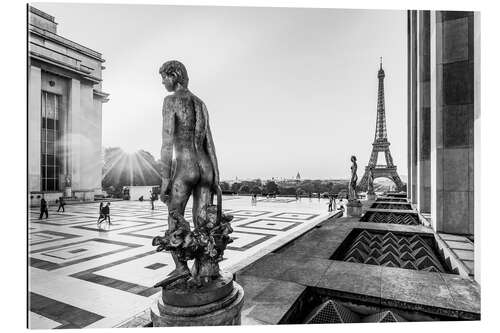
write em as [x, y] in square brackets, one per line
[235, 165]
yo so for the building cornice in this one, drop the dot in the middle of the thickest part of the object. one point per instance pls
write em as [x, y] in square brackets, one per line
[46, 16]
[66, 42]
[79, 71]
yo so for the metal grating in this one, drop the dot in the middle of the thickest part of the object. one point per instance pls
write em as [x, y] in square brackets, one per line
[393, 250]
[391, 200]
[391, 218]
[384, 317]
[332, 312]
[398, 206]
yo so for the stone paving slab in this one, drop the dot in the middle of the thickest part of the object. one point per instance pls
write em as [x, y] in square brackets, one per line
[415, 287]
[466, 293]
[352, 278]
[275, 301]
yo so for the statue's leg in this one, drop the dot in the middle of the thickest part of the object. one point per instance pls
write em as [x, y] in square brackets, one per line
[202, 198]
[202, 269]
[178, 200]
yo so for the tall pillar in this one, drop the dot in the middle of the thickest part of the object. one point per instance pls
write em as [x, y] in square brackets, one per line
[34, 127]
[433, 118]
[408, 101]
[477, 145]
[454, 117]
[74, 123]
[423, 113]
[412, 112]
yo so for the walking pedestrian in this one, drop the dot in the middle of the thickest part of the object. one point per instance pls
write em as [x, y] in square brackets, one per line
[61, 204]
[152, 198]
[104, 215]
[44, 209]
[330, 202]
[100, 213]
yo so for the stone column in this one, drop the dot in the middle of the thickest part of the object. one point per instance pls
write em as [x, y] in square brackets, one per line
[477, 144]
[423, 111]
[454, 117]
[412, 110]
[87, 140]
[34, 127]
[98, 146]
[74, 123]
[433, 81]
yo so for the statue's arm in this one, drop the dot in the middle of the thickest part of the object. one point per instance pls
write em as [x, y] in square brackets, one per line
[210, 145]
[167, 145]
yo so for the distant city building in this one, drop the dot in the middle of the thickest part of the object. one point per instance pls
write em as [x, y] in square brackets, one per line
[444, 118]
[297, 178]
[65, 100]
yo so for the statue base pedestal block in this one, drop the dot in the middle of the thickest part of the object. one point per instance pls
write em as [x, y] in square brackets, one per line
[67, 192]
[218, 304]
[371, 196]
[354, 208]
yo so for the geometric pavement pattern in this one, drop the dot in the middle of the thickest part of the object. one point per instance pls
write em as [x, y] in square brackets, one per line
[81, 275]
[332, 312]
[391, 217]
[394, 250]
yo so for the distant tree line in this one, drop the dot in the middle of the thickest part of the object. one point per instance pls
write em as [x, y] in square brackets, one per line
[302, 188]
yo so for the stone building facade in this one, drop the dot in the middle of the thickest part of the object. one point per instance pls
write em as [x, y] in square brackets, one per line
[65, 100]
[444, 118]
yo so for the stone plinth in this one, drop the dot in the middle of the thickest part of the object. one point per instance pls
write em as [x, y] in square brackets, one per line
[354, 208]
[67, 192]
[219, 304]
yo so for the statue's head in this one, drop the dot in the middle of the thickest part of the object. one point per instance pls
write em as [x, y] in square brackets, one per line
[353, 158]
[173, 74]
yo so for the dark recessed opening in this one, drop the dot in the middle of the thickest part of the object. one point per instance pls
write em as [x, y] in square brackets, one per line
[323, 306]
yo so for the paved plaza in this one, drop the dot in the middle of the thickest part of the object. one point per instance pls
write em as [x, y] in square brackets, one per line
[84, 276]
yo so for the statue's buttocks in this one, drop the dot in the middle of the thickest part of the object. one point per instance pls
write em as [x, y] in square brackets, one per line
[192, 159]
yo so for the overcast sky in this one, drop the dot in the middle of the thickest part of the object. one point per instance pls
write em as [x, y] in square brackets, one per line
[287, 89]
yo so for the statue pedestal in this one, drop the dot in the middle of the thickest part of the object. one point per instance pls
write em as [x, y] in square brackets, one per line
[354, 208]
[67, 192]
[371, 196]
[217, 304]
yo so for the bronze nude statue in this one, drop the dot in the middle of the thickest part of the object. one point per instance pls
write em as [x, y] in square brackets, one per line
[194, 171]
[354, 179]
[370, 181]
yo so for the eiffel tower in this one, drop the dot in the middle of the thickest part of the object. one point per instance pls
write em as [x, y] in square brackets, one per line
[381, 144]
